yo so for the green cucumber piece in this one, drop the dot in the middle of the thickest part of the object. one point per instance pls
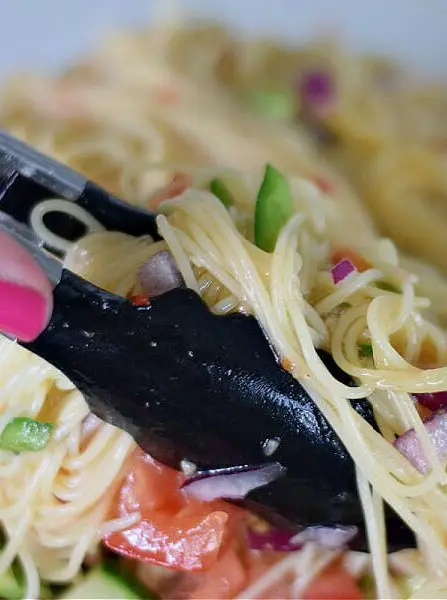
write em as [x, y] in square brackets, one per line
[10, 586]
[101, 582]
[274, 207]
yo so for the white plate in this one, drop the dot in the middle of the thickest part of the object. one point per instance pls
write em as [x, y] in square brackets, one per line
[47, 33]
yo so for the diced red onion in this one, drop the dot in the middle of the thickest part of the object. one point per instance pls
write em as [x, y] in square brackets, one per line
[275, 539]
[283, 540]
[89, 424]
[160, 274]
[342, 270]
[409, 445]
[316, 90]
[330, 537]
[232, 483]
[435, 401]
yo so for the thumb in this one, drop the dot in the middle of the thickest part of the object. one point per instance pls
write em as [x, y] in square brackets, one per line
[26, 298]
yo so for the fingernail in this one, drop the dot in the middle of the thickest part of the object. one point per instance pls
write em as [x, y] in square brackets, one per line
[23, 311]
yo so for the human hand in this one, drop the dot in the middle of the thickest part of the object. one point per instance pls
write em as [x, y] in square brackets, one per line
[26, 298]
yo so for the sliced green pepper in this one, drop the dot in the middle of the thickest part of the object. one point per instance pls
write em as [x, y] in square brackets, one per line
[366, 351]
[367, 587]
[274, 207]
[25, 435]
[45, 592]
[344, 306]
[281, 106]
[220, 190]
[339, 309]
[388, 287]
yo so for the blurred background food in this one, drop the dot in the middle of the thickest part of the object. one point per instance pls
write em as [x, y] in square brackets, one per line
[348, 100]
[366, 103]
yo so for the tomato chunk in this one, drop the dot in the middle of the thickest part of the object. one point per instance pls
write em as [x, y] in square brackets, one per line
[324, 185]
[223, 581]
[334, 583]
[176, 530]
[139, 300]
[180, 182]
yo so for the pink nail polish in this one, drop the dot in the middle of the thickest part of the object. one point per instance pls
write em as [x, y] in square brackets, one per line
[23, 311]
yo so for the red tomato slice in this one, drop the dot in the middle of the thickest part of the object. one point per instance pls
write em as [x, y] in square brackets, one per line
[175, 531]
[334, 583]
[179, 183]
[223, 581]
[325, 185]
[139, 300]
[181, 542]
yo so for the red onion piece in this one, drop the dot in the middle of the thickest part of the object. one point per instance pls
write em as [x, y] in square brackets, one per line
[160, 274]
[342, 270]
[316, 91]
[329, 537]
[283, 540]
[435, 401]
[90, 424]
[232, 483]
[275, 539]
[409, 445]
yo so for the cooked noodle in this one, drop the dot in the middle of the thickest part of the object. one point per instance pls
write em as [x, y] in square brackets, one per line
[130, 123]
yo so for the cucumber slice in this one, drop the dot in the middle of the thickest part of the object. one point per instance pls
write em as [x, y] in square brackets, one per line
[274, 207]
[10, 586]
[101, 583]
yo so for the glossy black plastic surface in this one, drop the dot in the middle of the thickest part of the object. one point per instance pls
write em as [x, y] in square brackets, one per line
[19, 195]
[187, 384]
[115, 214]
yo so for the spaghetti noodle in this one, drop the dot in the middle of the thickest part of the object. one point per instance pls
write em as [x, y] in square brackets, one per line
[130, 124]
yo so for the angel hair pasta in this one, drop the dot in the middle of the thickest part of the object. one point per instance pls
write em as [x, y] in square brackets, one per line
[162, 119]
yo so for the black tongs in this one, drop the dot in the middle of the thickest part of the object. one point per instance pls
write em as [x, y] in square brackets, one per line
[186, 384]
[28, 177]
